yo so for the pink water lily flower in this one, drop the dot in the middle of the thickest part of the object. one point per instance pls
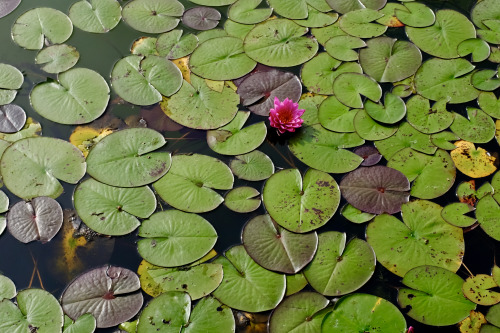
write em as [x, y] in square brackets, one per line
[285, 116]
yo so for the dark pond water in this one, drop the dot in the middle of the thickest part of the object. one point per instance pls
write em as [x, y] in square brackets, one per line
[36, 264]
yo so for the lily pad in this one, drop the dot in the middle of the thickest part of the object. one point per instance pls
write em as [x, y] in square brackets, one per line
[144, 46]
[233, 139]
[442, 140]
[168, 312]
[111, 294]
[201, 18]
[35, 308]
[8, 7]
[112, 210]
[492, 315]
[376, 189]
[242, 199]
[296, 10]
[467, 128]
[342, 47]
[335, 116]
[190, 182]
[359, 23]
[97, 16]
[362, 312]
[38, 26]
[174, 238]
[423, 239]
[276, 248]
[57, 58]
[263, 87]
[10, 80]
[79, 96]
[355, 215]
[337, 268]
[12, 118]
[236, 29]
[489, 103]
[86, 323]
[285, 48]
[7, 288]
[174, 45]
[431, 176]
[473, 323]
[389, 60]
[474, 163]
[143, 81]
[436, 296]
[439, 79]
[246, 286]
[247, 12]
[210, 316]
[316, 18]
[488, 216]
[477, 48]
[427, 119]
[416, 15]
[295, 283]
[344, 6]
[126, 158]
[38, 219]
[477, 289]
[253, 166]
[369, 129]
[30, 168]
[454, 214]
[348, 88]
[152, 16]
[195, 105]
[486, 80]
[393, 110]
[301, 205]
[300, 312]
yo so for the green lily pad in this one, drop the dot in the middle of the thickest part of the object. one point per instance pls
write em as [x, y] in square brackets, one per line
[436, 296]
[369, 129]
[247, 12]
[300, 312]
[57, 58]
[295, 283]
[427, 119]
[210, 316]
[431, 176]
[253, 166]
[30, 168]
[494, 187]
[319, 73]
[355, 215]
[152, 16]
[488, 216]
[359, 23]
[342, 47]
[344, 6]
[489, 329]
[80, 96]
[335, 116]
[113, 210]
[389, 60]
[439, 79]
[144, 46]
[11, 79]
[316, 18]
[126, 158]
[86, 323]
[454, 214]
[443, 37]
[35, 308]
[321, 5]
[484, 10]
[389, 19]
[174, 45]
[466, 129]
[190, 182]
[337, 268]
[195, 105]
[143, 81]
[477, 289]
[236, 29]
[486, 80]
[442, 140]
[4, 202]
[466, 191]
[348, 87]
[364, 313]
[7, 288]
[324, 34]
[275, 248]
[393, 110]
[477, 48]
[39, 26]
[493, 315]
[209, 34]
[423, 239]
[492, 33]
[489, 103]
[166, 313]
[233, 139]
[221, 58]
[246, 286]
[242, 199]
[285, 48]
[174, 238]
[97, 16]
[301, 205]
[295, 10]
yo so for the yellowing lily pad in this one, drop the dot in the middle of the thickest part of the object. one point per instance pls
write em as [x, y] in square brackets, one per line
[475, 163]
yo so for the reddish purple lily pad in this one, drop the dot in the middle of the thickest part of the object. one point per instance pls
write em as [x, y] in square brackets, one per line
[377, 189]
[111, 294]
[370, 155]
[7, 6]
[259, 68]
[201, 18]
[262, 87]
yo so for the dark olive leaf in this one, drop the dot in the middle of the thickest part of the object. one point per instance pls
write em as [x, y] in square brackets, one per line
[38, 219]
[201, 18]
[12, 118]
[111, 294]
[376, 189]
[370, 155]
